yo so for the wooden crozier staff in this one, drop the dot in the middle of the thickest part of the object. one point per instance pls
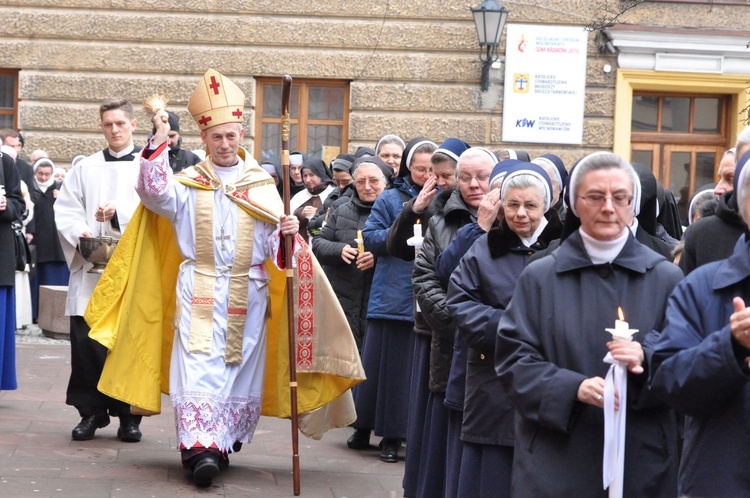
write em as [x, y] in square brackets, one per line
[286, 91]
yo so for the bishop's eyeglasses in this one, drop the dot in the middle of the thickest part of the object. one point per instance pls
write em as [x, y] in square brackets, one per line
[597, 200]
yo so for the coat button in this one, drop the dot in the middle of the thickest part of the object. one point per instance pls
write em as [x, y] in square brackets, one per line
[481, 356]
[604, 271]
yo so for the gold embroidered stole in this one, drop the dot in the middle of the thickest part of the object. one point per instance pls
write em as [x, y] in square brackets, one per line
[202, 311]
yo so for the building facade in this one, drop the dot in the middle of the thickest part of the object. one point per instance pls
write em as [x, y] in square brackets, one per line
[665, 81]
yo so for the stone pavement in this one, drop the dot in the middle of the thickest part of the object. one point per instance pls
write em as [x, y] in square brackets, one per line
[38, 457]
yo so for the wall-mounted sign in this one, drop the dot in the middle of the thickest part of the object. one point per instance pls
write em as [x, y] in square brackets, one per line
[545, 84]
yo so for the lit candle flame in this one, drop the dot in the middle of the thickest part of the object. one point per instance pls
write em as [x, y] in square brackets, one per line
[620, 314]
[418, 221]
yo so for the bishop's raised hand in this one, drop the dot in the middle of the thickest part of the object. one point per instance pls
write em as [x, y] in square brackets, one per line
[161, 124]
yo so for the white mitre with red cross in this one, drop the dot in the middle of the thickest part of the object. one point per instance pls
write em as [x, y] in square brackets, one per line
[216, 101]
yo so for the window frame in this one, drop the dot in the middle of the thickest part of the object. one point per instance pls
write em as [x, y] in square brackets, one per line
[662, 144]
[302, 120]
[13, 111]
[690, 137]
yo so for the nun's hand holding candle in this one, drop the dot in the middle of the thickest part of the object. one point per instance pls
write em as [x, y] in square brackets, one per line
[616, 394]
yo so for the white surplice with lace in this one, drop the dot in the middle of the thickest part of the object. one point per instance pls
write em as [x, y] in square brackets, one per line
[215, 403]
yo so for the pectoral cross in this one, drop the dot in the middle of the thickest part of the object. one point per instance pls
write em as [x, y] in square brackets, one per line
[221, 238]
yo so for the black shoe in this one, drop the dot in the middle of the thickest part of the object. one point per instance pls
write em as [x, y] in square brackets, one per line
[205, 469]
[389, 450]
[129, 431]
[360, 440]
[88, 425]
[224, 461]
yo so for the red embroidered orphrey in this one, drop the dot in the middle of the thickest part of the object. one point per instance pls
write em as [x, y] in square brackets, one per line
[237, 113]
[203, 180]
[237, 311]
[202, 300]
[214, 85]
[305, 318]
[204, 119]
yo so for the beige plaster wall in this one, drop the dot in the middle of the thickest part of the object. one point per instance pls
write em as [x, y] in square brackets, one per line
[412, 63]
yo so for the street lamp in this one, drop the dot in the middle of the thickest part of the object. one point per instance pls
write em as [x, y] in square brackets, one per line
[489, 19]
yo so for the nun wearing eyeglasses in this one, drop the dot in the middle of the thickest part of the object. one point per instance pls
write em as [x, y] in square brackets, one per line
[701, 366]
[551, 343]
[479, 291]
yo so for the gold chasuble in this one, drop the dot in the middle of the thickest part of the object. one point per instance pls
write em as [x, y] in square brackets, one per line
[132, 310]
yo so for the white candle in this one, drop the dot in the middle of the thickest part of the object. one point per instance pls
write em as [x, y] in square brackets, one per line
[622, 330]
[417, 231]
[360, 242]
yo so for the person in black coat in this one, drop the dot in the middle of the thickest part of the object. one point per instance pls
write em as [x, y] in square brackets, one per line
[336, 246]
[700, 366]
[12, 207]
[703, 195]
[713, 238]
[13, 138]
[479, 291]
[551, 342]
[51, 268]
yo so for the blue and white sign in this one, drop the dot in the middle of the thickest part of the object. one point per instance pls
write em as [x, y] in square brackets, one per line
[545, 84]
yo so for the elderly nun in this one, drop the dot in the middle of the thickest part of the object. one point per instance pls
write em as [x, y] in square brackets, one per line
[551, 342]
[382, 401]
[479, 291]
[349, 265]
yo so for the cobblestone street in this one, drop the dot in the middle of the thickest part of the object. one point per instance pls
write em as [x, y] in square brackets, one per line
[39, 458]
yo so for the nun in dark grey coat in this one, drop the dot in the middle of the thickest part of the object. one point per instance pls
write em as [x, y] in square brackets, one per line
[551, 342]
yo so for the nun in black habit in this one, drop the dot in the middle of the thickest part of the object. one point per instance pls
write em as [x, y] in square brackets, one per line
[645, 202]
[668, 216]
